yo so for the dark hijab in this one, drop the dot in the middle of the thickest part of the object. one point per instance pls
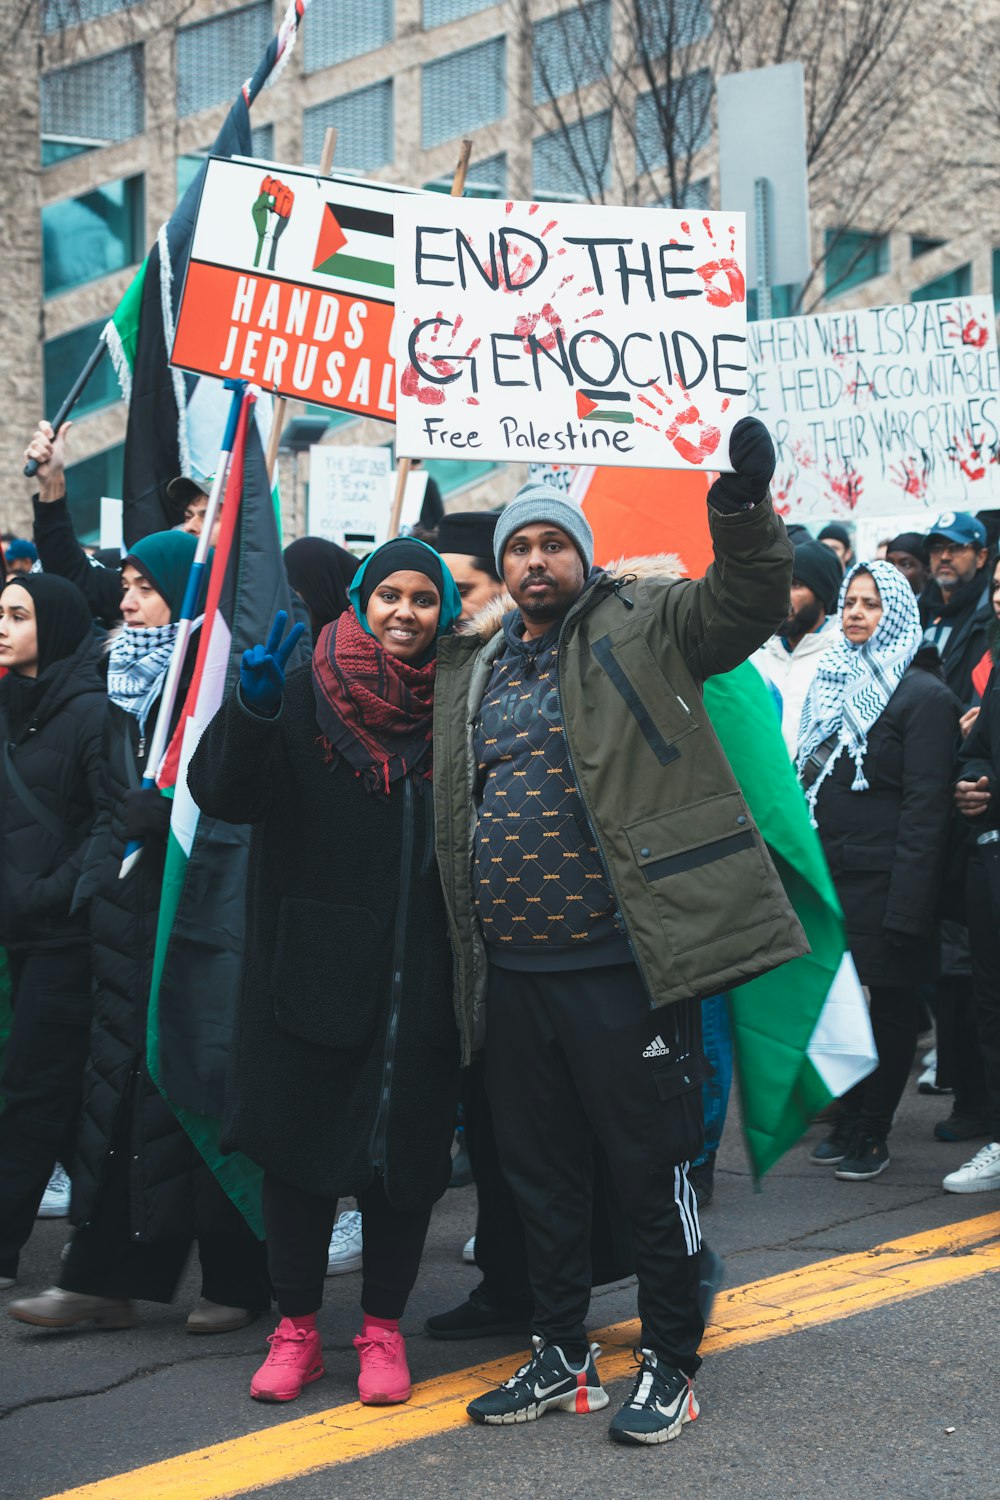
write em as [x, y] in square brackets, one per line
[320, 572]
[62, 621]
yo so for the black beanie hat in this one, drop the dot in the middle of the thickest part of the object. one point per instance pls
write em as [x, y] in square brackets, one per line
[818, 567]
[834, 532]
[469, 532]
[913, 542]
[400, 555]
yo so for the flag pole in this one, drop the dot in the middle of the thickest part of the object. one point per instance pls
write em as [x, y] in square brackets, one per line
[404, 464]
[278, 413]
[75, 392]
[192, 595]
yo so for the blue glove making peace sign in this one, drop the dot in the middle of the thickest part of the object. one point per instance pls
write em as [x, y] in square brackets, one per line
[262, 670]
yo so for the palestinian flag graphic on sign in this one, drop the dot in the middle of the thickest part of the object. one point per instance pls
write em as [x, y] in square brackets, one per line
[355, 244]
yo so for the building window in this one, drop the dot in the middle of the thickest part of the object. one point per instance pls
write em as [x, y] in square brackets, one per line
[440, 12]
[696, 198]
[363, 121]
[921, 244]
[216, 57]
[957, 283]
[685, 110]
[570, 51]
[86, 482]
[852, 256]
[93, 235]
[92, 104]
[484, 179]
[262, 141]
[663, 26]
[463, 91]
[575, 162]
[454, 474]
[57, 14]
[333, 33]
[65, 357]
[784, 301]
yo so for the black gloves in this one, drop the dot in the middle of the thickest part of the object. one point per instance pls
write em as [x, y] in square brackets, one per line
[147, 814]
[751, 453]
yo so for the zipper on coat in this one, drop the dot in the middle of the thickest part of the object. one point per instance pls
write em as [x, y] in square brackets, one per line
[399, 942]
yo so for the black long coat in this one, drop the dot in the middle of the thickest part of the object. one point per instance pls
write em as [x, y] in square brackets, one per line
[171, 1190]
[56, 752]
[345, 1053]
[886, 847]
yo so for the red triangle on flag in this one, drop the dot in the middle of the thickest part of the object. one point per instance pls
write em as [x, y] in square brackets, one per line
[584, 405]
[331, 238]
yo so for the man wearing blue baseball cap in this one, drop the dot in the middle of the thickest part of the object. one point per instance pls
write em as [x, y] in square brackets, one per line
[955, 606]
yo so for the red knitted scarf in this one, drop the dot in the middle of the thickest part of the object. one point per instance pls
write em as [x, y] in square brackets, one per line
[372, 708]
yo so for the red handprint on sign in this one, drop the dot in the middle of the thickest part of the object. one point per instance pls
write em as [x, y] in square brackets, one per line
[695, 444]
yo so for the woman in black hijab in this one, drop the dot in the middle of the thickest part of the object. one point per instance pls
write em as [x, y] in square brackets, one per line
[52, 707]
[320, 572]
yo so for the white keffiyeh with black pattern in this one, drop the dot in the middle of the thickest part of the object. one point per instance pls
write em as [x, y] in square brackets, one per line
[853, 684]
[137, 666]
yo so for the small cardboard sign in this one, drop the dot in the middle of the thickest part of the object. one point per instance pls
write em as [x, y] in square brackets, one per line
[881, 410]
[290, 286]
[568, 333]
[351, 491]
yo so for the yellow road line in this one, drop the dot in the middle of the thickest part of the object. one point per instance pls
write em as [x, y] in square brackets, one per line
[788, 1303]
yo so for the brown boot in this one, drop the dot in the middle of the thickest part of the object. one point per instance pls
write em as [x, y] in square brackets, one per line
[57, 1308]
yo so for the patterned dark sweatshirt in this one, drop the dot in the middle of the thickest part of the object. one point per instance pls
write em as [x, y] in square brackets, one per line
[542, 895]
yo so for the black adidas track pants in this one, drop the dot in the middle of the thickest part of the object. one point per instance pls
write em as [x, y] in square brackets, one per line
[571, 1055]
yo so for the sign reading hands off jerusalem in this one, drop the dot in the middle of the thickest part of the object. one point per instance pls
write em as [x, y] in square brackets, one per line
[567, 332]
[881, 410]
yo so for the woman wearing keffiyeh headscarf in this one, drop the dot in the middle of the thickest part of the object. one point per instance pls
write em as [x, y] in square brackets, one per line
[141, 1191]
[876, 751]
[346, 1046]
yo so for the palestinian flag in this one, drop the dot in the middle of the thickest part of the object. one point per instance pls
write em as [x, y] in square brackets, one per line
[355, 244]
[199, 939]
[175, 418]
[801, 1035]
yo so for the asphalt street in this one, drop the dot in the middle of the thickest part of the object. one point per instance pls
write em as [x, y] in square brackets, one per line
[895, 1400]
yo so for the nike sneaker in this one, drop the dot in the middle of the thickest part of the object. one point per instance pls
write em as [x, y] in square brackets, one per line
[661, 1402]
[547, 1380]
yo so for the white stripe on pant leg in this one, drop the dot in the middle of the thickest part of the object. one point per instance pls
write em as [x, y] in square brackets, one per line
[692, 1199]
[680, 1184]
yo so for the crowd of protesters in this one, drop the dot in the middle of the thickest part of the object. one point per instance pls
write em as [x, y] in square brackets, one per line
[470, 803]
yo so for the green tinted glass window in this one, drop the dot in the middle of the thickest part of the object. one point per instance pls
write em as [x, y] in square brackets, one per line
[65, 357]
[88, 237]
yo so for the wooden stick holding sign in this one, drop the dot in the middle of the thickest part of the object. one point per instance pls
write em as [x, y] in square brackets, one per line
[278, 412]
[403, 467]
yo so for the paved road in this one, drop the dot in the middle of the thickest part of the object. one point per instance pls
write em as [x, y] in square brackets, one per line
[858, 1404]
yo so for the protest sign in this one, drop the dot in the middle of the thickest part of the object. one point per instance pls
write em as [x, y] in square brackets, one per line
[350, 496]
[111, 522]
[881, 410]
[290, 286]
[569, 332]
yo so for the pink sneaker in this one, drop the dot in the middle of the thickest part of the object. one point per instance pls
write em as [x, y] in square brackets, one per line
[385, 1375]
[295, 1360]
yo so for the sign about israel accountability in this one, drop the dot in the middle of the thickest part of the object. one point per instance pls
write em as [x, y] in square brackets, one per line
[568, 333]
[881, 410]
[290, 286]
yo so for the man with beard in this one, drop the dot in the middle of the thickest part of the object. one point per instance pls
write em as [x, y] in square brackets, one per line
[955, 606]
[602, 872]
[790, 658]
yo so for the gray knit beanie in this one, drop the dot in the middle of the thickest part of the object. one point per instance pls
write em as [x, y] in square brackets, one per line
[541, 502]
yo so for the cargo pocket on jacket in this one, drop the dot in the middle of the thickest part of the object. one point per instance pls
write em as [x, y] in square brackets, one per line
[705, 869]
[681, 1116]
[323, 985]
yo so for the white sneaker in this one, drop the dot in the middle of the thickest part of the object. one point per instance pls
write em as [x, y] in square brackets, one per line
[929, 1059]
[469, 1251]
[980, 1175]
[927, 1082]
[345, 1244]
[55, 1199]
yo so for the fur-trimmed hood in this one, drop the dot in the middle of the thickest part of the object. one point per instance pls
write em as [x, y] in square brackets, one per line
[664, 567]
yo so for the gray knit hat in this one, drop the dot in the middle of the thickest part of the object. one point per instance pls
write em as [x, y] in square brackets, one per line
[541, 502]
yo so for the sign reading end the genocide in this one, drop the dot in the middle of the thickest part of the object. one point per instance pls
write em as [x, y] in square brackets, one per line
[290, 286]
[569, 333]
[881, 410]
